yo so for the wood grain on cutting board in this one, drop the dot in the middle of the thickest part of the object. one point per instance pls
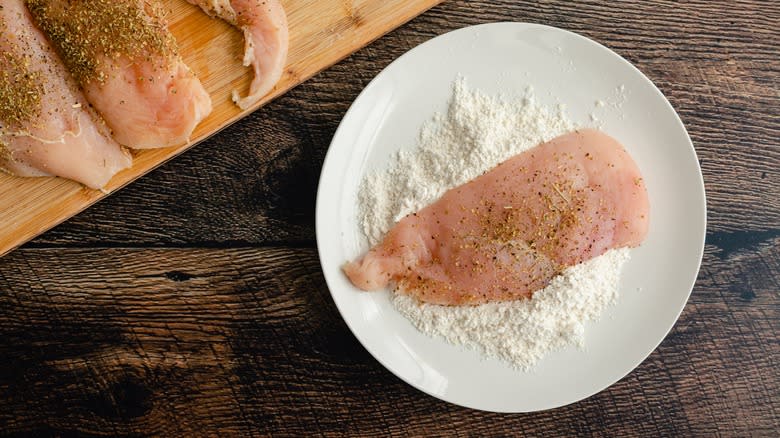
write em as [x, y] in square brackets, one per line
[322, 32]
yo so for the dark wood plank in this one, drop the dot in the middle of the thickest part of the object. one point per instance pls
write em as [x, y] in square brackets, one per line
[201, 341]
[255, 183]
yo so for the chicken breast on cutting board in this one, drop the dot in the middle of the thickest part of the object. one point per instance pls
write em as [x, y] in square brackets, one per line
[508, 232]
[126, 61]
[266, 36]
[46, 128]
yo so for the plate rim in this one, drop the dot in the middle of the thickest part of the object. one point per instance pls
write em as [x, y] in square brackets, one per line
[368, 87]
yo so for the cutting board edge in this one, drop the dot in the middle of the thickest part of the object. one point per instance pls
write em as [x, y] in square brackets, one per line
[15, 242]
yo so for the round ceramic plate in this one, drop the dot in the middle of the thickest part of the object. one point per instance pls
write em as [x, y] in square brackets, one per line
[594, 83]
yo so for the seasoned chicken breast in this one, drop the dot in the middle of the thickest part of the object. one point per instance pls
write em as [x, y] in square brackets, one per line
[508, 232]
[46, 127]
[126, 62]
[266, 36]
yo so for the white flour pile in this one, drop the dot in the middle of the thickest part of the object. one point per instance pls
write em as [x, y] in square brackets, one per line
[522, 332]
[476, 133]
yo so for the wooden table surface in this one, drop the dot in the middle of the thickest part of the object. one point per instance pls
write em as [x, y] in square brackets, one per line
[192, 302]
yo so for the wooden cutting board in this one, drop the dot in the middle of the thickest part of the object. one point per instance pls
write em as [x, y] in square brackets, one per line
[322, 32]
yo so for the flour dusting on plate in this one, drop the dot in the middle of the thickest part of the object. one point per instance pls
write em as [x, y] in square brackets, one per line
[477, 132]
[522, 332]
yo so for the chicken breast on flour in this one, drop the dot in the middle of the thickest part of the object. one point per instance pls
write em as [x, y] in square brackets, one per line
[507, 233]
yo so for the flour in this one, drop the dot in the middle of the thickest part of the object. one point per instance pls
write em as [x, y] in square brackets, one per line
[522, 332]
[476, 133]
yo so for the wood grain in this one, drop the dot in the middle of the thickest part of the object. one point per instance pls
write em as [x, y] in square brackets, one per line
[321, 33]
[191, 303]
[203, 341]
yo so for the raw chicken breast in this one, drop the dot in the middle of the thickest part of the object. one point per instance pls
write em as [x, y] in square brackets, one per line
[126, 61]
[45, 125]
[264, 24]
[508, 232]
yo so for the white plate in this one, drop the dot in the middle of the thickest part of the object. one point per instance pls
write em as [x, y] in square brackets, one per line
[563, 68]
